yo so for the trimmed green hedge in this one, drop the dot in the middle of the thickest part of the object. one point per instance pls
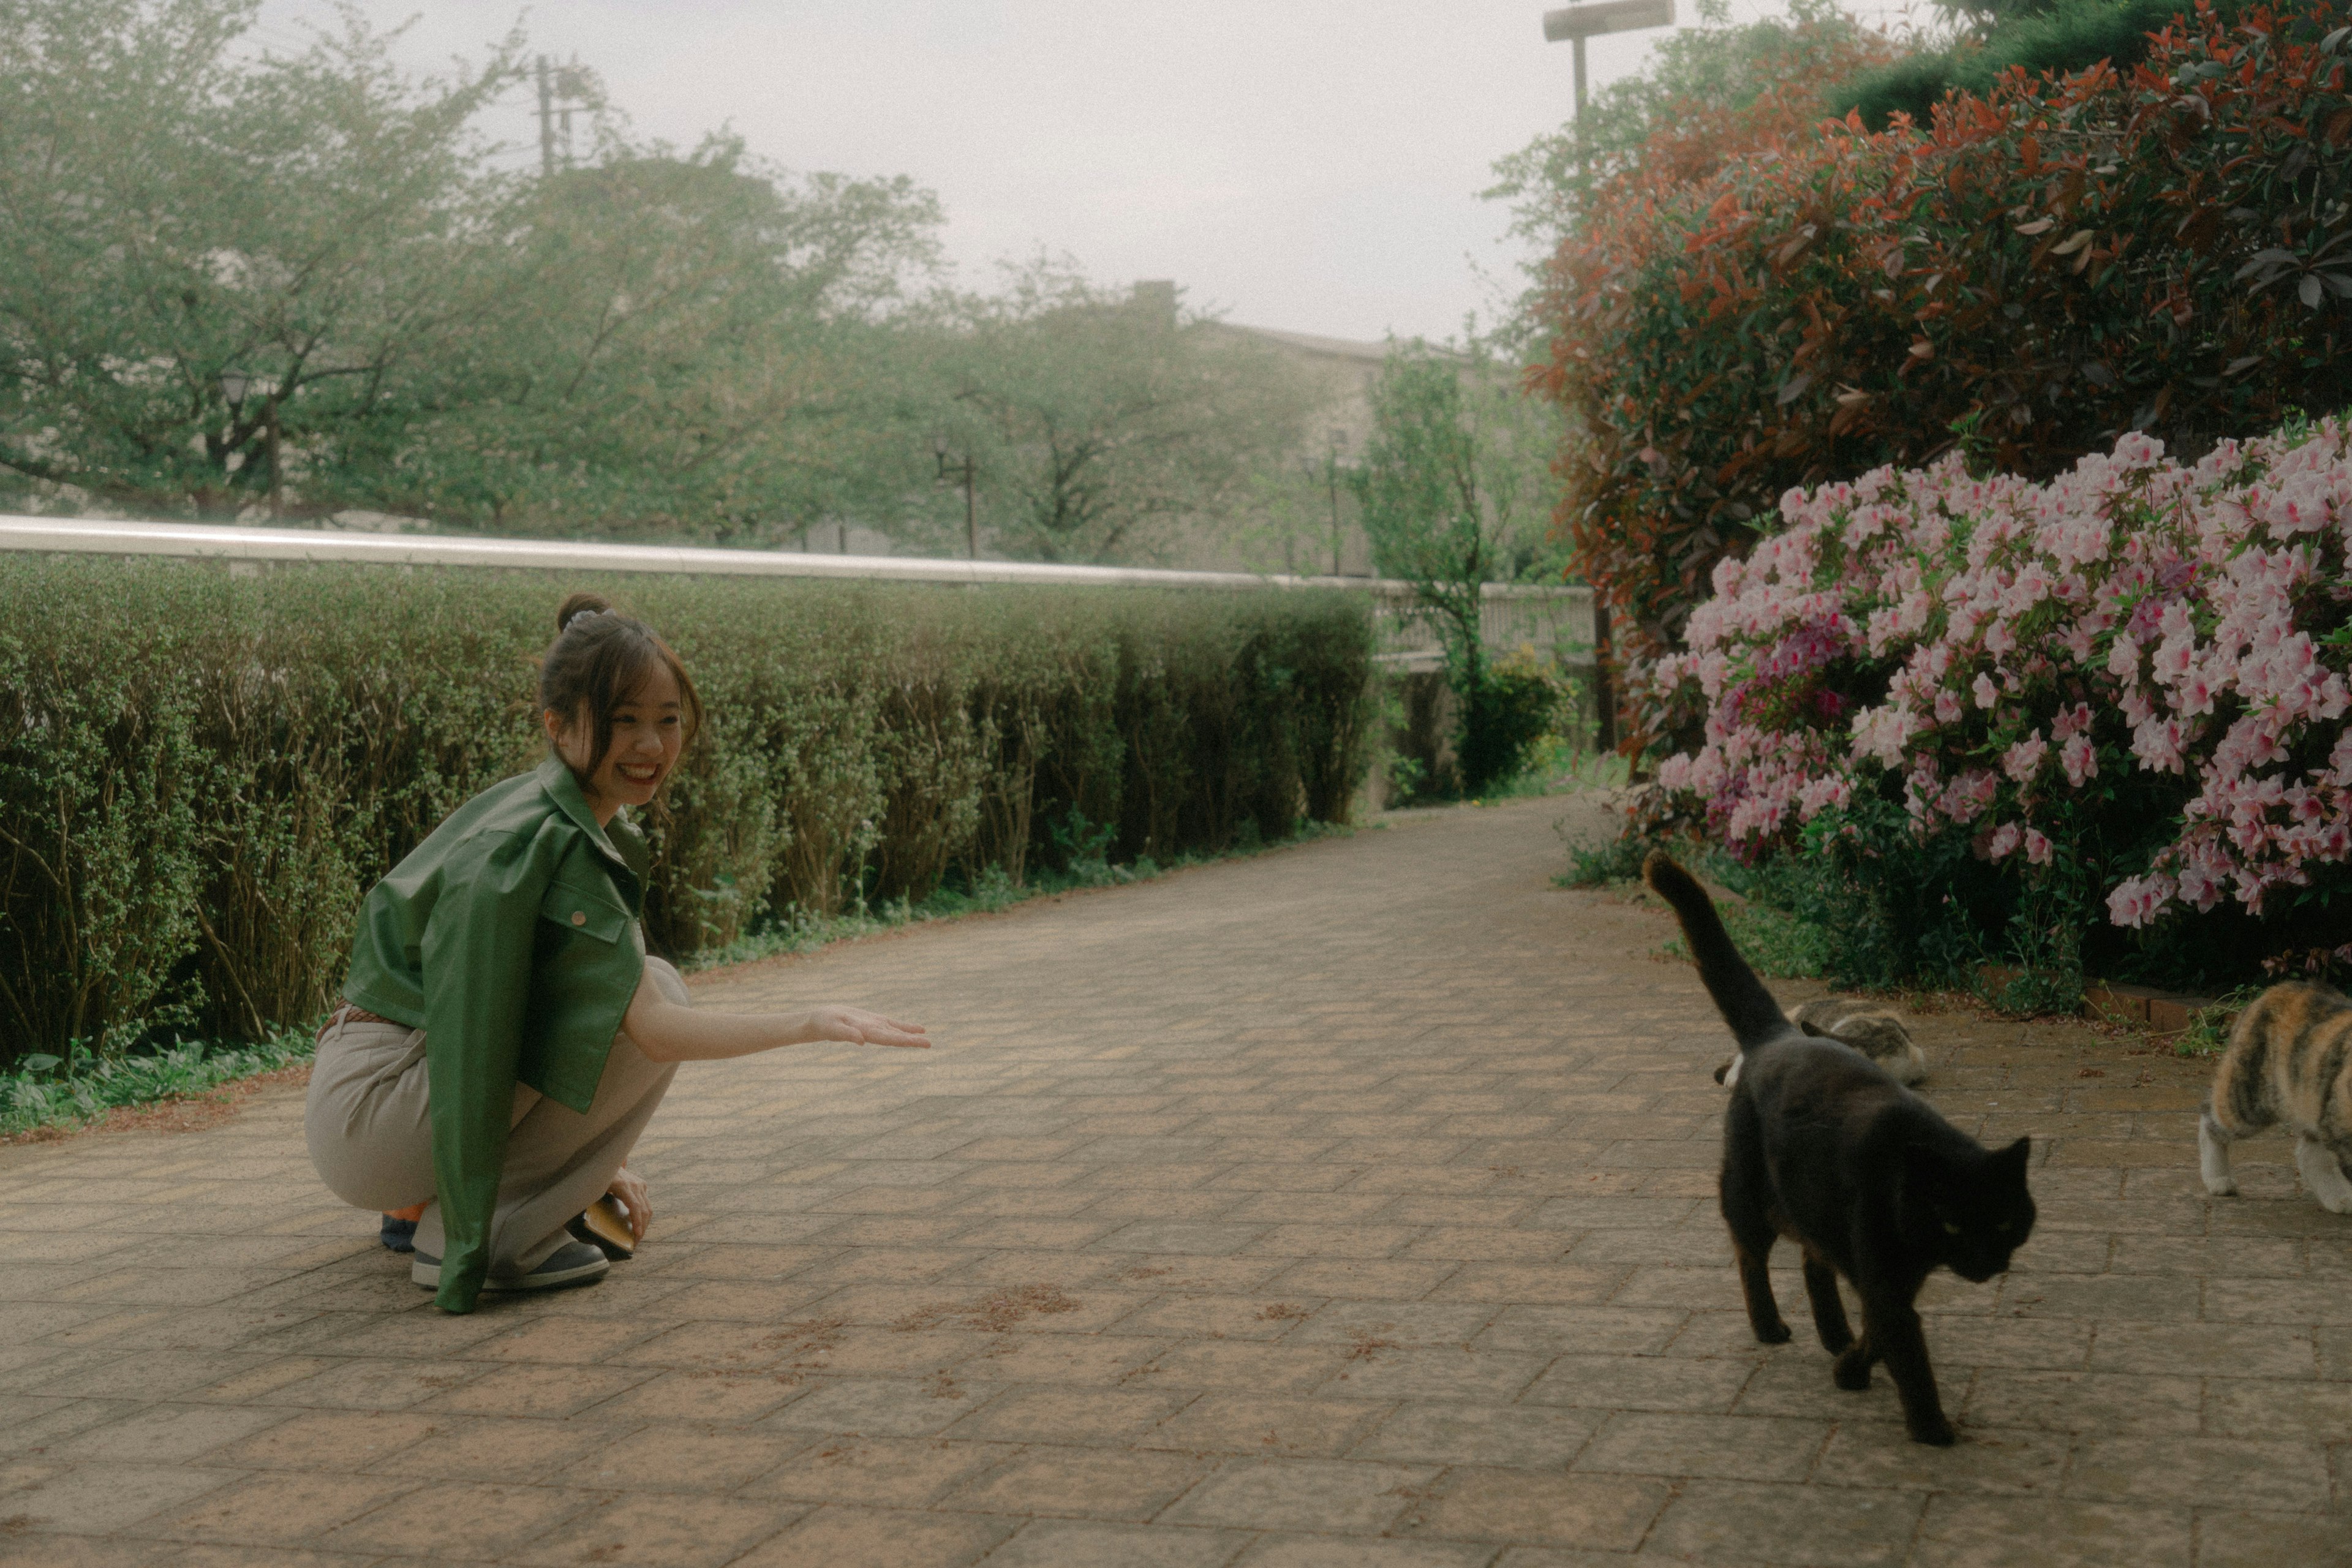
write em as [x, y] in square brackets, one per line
[199, 775]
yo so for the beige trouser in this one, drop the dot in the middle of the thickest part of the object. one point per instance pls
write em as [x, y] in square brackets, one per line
[371, 1140]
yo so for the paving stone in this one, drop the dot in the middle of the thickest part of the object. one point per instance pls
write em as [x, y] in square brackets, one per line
[1528, 1437]
[882, 1472]
[1276, 1425]
[280, 1509]
[2020, 1532]
[1734, 1447]
[651, 1530]
[1807, 1527]
[2086, 1402]
[1610, 1513]
[2223, 1472]
[869, 1538]
[95, 1499]
[1303, 1495]
[1360, 1552]
[460, 1520]
[1080, 1483]
[1074, 1543]
[2233, 1539]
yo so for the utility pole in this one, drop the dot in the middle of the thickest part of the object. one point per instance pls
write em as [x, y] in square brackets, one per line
[277, 494]
[559, 95]
[547, 112]
[968, 471]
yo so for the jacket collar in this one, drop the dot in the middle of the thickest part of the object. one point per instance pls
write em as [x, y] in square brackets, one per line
[555, 776]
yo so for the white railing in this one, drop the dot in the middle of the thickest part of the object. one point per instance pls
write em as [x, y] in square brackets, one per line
[1558, 621]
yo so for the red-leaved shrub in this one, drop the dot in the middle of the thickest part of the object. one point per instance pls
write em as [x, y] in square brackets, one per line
[2040, 271]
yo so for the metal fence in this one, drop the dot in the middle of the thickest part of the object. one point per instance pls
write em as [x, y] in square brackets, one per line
[1554, 621]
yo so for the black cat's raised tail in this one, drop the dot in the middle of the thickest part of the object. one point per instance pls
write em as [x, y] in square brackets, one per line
[1745, 1005]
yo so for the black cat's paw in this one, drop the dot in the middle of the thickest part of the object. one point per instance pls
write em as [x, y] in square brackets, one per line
[1839, 1345]
[1853, 1370]
[1939, 1434]
[1773, 1333]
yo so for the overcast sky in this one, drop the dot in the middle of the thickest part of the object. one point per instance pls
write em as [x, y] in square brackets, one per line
[1306, 165]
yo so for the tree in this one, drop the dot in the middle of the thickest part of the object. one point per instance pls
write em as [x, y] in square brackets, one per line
[665, 342]
[699, 353]
[1454, 493]
[172, 213]
[1106, 420]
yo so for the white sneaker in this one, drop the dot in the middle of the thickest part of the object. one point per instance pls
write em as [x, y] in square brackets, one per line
[573, 1263]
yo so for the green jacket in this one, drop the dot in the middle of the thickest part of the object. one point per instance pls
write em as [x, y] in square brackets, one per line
[509, 936]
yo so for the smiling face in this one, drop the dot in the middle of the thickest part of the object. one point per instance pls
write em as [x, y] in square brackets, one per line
[648, 730]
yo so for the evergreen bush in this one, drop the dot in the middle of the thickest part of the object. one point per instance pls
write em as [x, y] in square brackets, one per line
[199, 775]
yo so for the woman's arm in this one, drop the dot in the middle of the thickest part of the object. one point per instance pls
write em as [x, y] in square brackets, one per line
[669, 1033]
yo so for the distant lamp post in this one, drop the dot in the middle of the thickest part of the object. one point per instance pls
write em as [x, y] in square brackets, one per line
[1329, 470]
[966, 470]
[1338, 444]
[233, 384]
[1578, 23]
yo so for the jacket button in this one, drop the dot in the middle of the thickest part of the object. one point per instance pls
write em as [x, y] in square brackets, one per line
[579, 917]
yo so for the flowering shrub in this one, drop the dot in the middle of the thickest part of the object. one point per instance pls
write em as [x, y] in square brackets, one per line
[2164, 248]
[2134, 676]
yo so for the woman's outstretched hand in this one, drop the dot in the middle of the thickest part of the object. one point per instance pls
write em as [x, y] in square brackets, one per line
[860, 1027]
[666, 1032]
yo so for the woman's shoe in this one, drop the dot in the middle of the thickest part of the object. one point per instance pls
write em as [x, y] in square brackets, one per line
[605, 1226]
[573, 1263]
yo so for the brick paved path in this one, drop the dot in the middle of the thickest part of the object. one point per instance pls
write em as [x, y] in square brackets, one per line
[1346, 1205]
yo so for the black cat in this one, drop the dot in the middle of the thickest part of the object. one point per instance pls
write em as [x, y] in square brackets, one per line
[1821, 1145]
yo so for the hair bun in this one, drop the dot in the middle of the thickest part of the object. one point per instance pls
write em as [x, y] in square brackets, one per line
[579, 605]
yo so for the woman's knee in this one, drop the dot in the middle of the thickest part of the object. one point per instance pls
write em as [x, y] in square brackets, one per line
[669, 982]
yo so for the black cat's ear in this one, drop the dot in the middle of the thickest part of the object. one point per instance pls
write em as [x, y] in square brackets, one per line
[2015, 1156]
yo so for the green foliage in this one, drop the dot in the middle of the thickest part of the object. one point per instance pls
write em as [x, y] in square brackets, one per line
[1517, 702]
[1775, 942]
[2057, 38]
[2208, 1032]
[2044, 268]
[199, 775]
[45, 1090]
[1454, 493]
[1100, 421]
[688, 345]
[1777, 938]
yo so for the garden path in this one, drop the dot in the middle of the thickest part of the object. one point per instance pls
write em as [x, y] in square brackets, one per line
[1349, 1204]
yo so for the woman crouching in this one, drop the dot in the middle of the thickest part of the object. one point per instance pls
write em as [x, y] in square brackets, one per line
[504, 1038]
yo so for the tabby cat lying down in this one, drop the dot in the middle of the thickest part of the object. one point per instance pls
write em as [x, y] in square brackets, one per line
[1821, 1145]
[2289, 1059]
[1876, 1031]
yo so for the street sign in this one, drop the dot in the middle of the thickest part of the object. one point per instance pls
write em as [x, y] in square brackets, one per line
[1606, 16]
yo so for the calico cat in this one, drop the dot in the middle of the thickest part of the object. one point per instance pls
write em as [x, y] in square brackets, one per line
[1821, 1145]
[1876, 1031]
[2289, 1059]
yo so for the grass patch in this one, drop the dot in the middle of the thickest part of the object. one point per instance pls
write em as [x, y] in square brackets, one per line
[1774, 942]
[1559, 766]
[47, 1092]
[2209, 1028]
